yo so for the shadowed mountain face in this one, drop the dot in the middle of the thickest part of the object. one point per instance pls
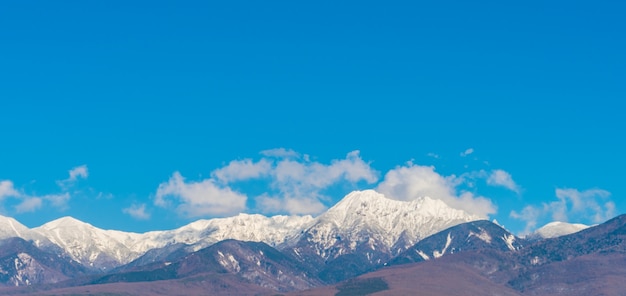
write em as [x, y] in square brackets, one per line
[22, 264]
[471, 236]
[252, 262]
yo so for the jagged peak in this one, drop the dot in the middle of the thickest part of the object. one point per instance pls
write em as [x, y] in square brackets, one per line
[371, 199]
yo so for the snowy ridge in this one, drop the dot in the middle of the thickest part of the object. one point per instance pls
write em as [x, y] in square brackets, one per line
[371, 213]
[105, 249]
[89, 245]
[245, 227]
[556, 229]
[10, 227]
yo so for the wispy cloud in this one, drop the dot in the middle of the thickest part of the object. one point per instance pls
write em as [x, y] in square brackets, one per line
[467, 152]
[588, 206]
[503, 179]
[433, 155]
[412, 181]
[241, 170]
[280, 153]
[58, 200]
[79, 172]
[137, 211]
[29, 204]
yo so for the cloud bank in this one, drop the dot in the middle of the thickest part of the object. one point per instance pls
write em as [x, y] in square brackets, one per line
[296, 185]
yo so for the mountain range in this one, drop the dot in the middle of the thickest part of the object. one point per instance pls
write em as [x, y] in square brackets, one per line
[365, 233]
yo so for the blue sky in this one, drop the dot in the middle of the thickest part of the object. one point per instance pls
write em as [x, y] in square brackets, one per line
[149, 115]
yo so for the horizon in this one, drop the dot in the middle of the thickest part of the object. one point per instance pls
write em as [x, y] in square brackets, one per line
[150, 115]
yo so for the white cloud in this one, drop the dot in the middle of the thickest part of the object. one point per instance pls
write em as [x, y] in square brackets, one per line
[296, 184]
[504, 179]
[299, 183]
[280, 153]
[29, 204]
[589, 206]
[241, 170]
[193, 199]
[433, 155]
[530, 215]
[78, 172]
[467, 152]
[7, 189]
[413, 181]
[137, 211]
[75, 173]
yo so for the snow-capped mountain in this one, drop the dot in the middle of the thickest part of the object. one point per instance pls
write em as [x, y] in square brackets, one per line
[104, 249]
[369, 215]
[556, 229]
[244, 227]
[89, 245]
[10, 228]
[363, 220]
[366, 229]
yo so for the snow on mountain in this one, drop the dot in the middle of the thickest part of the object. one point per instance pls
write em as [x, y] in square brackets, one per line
[362, 217]
[471, 236]
[90, 246]
[244, 227]
[372, 214]
[556, 229]
[105, 249]
[10, 228]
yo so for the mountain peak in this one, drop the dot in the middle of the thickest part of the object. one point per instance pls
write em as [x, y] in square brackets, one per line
[65, 222]
[558, 228]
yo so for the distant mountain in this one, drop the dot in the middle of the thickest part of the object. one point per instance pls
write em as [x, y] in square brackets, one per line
[556, 229]
[103, 250]
[366, 229]
[91, 246]
[471, 236]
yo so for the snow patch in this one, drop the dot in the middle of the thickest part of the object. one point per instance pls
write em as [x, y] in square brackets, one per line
[438, 254]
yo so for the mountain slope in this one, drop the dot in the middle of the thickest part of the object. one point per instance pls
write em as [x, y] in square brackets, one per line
[471, 236]
[23, 264]
[253, 262]
[450, 275]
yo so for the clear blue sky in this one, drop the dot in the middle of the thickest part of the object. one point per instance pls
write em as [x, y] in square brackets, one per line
[135, 94]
